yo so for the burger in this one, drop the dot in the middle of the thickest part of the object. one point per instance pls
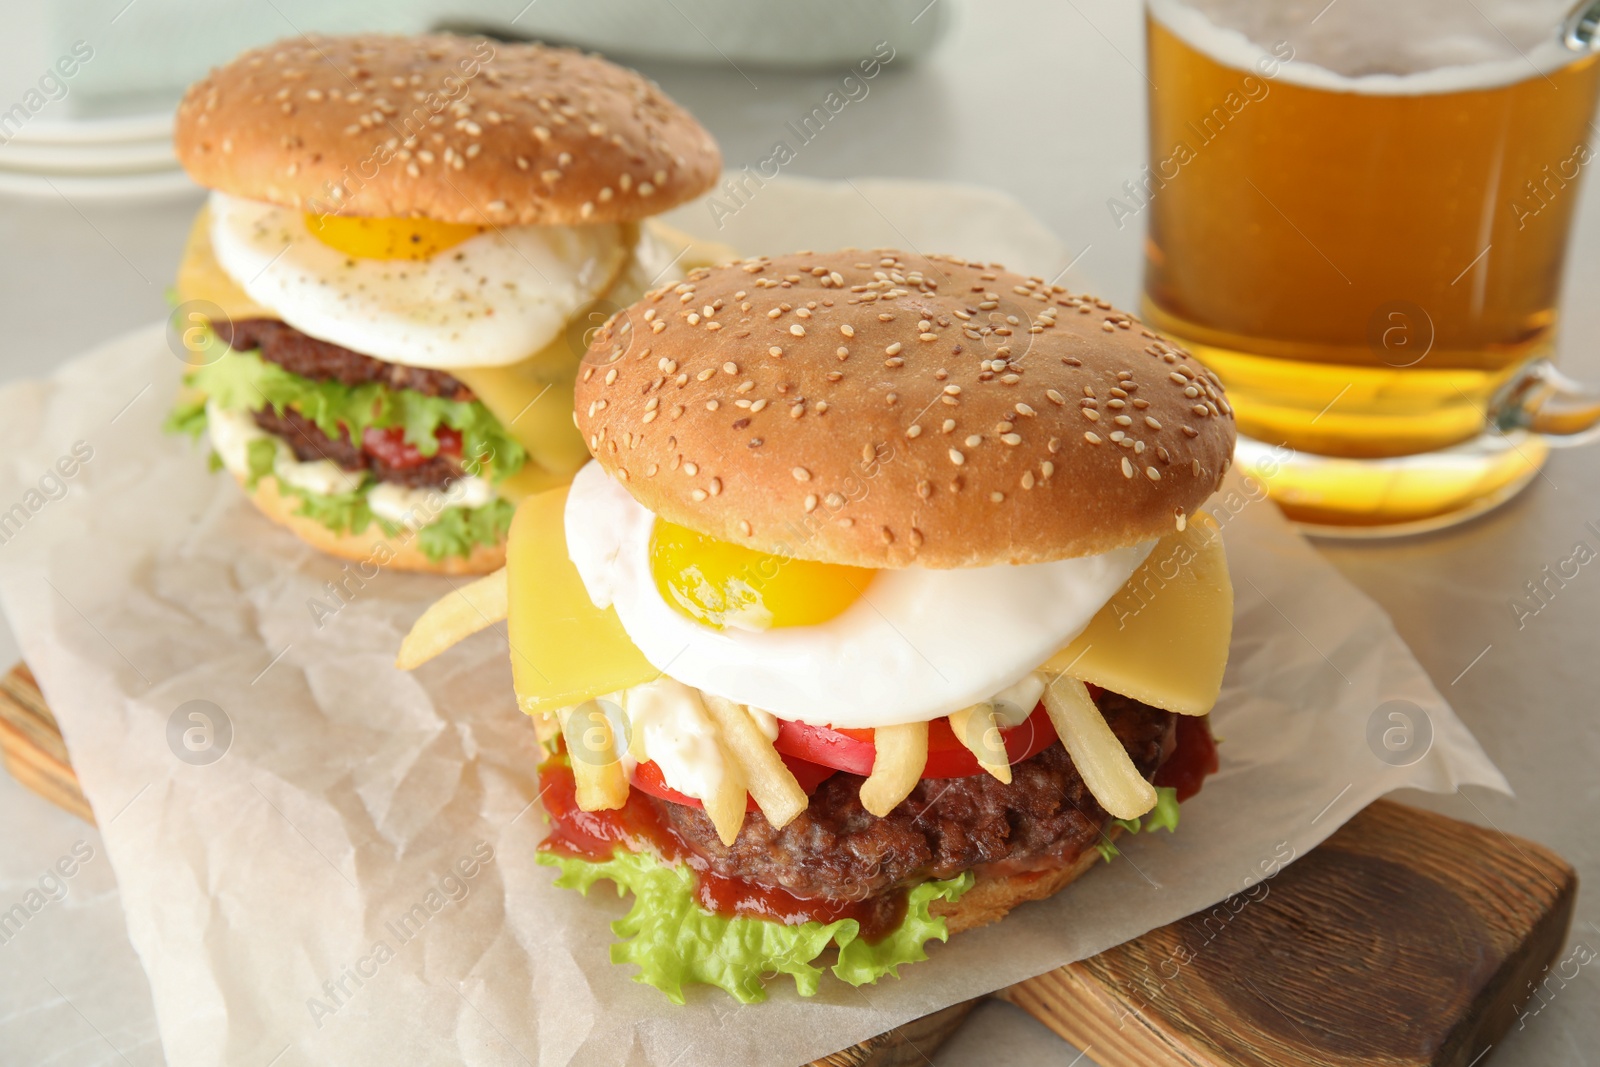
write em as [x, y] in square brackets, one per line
[886, 604]
[385, 299]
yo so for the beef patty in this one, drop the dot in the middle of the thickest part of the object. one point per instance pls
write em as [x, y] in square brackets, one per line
[308, 357]
[1045, 819]
[310, 443]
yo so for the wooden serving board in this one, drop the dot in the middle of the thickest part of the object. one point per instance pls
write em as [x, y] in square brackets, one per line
[1406, 939]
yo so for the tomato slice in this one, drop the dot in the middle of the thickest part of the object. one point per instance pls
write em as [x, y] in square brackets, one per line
[853, 751]
[647, 778]
[391, 447]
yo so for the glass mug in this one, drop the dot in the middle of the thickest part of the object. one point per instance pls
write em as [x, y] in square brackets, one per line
[1357, 215]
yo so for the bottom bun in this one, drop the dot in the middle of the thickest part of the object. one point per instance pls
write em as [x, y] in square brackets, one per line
[401, 552]
[990, 898]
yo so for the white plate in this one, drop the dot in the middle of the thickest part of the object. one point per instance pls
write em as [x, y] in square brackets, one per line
[110, 158]
[162, 185]
[150, 127]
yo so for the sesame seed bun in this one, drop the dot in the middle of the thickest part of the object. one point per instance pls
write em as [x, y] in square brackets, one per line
[399, 553]
[882, 409]
[461, 129]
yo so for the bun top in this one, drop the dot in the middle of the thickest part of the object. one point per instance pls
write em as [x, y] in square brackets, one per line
[462, 129]
[882, 409]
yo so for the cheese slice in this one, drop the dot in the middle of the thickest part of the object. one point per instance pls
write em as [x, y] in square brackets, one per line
[201, 277]
[1163, 639]
[564, 650]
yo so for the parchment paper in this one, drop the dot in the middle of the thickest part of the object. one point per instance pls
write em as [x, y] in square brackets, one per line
[352, 881]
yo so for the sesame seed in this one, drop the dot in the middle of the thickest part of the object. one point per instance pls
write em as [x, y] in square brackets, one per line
[1127, 468]
[1123, 420]
[1092, 437]
[957, 458]
[914, 430]
[1091, 414]
[1189, 431]
[811, 502]
[833, 500]
[927, 337]
[1196, 468]
[952, 390]
[801, 474]
[893, 350]
[847, 329]
[948, 425]
[730, 368]
[622, 474]
[691, 469]
[1024, 409]
[1150, 421]
[974, 441]
[1153, 474]
[716, 486]
[1027, 479]
[1055, 397]
[996, 497]
[1012, 439]
[1046, 469]
[702, 376]
[775, 351]
[712, 405]
[744, 528]
[698, 495]
[842, 352]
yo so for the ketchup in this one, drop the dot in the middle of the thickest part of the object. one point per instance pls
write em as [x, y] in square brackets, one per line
[596, 835]
[1194, 755]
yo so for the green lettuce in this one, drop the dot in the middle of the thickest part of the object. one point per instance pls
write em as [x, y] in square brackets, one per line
[1164, 816]
[674, 942]
[453, 532]
[243, 381]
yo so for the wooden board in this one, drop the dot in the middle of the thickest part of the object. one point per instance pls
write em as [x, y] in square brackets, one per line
[1406, 939]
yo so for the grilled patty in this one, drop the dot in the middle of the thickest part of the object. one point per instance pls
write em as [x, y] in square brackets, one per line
[308, 357]
[1045, 819]
[310, 443]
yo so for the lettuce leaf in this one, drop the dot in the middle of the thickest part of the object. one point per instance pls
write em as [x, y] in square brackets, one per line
[244, 381]
[1164, 816]
[453, 533]
[674, 942]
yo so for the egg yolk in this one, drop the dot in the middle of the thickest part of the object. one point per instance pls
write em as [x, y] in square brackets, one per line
[721, 584]
[416, 239]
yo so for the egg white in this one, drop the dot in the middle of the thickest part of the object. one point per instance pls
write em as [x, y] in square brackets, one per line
[489, 301]
[917, 645]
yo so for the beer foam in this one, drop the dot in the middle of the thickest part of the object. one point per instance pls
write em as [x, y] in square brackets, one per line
[1392, 47]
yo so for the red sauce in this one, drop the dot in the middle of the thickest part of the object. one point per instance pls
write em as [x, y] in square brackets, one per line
[596, 835]
[1194, 756]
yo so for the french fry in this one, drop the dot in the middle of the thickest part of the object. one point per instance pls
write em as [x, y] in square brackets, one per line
[725, 806]
[1100, 758]
[902, 753]
[591, 749]
[453, 618]
[767, 778]
[976, 728]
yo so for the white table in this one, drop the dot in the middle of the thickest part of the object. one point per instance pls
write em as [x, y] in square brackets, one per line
[1043, 99]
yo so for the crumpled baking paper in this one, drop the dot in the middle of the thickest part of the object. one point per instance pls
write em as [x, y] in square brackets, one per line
[329, 861]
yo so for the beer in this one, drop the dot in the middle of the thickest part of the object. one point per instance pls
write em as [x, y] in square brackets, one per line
[1366, 262]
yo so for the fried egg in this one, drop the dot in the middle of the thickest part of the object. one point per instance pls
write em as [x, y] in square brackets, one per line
[912, 645]
[486, 298]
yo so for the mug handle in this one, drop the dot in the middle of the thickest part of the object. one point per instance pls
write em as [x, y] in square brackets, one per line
[1544, 401]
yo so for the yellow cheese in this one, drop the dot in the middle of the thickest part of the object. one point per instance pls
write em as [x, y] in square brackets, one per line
[201, 277]
[564, 650]
[1163, 639]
